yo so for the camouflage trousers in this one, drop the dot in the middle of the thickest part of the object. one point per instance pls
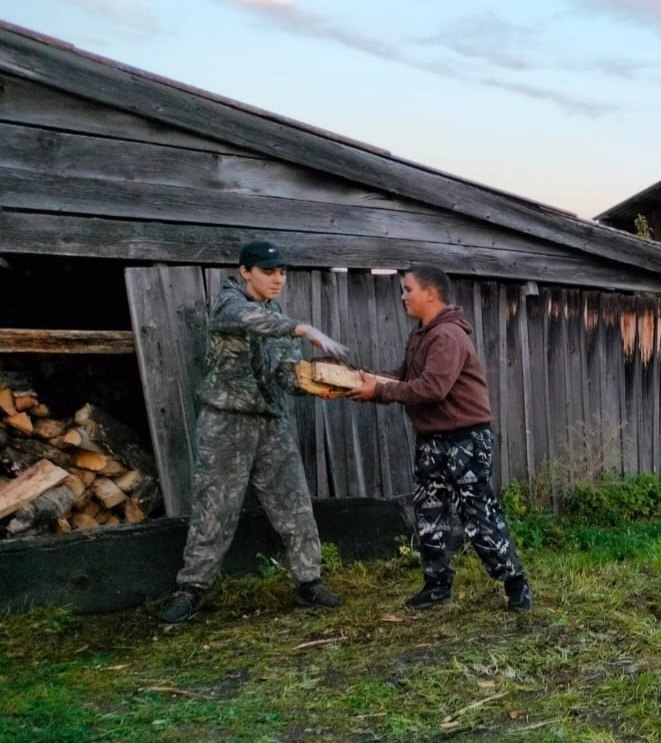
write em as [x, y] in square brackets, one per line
[234, 451]
[454, 472]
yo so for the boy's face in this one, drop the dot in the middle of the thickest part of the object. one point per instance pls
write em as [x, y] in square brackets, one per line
[264, 283]
[415, 297]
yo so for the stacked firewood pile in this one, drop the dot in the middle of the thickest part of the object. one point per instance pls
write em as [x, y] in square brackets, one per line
[59, 475]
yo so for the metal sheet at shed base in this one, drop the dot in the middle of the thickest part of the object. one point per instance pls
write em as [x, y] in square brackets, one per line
[113, 568]
[96, 570]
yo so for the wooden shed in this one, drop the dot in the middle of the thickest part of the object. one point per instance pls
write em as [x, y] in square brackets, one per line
[152, 187]
[645, 203]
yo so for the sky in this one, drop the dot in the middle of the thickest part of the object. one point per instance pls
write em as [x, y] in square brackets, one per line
[554, 100]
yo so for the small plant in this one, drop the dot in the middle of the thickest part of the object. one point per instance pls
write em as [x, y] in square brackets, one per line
[515, 500]
[408, 549]
[268, 567]
[331, 560]
[643, 228]
[594, 449]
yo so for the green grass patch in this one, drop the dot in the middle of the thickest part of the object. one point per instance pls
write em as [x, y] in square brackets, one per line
[584, 665]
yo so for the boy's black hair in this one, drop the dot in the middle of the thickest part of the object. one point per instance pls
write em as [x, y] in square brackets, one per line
[427, 274]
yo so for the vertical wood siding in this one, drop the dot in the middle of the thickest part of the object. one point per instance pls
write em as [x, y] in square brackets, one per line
[573, 376]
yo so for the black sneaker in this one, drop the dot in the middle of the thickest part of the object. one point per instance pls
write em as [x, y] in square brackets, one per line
[182, 606]
[519, 595]
[315, 593]
[432, 594]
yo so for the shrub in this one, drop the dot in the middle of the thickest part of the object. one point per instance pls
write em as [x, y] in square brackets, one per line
[607, 501]
[611, 500]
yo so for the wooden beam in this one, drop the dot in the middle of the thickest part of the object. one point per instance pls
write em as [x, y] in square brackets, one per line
[104, 197]
[492, 256]
[209, 167]
[66, 341]
[225, 120]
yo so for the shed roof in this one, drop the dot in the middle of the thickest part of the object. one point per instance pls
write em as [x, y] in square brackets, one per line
[644, 202]
[59, 65]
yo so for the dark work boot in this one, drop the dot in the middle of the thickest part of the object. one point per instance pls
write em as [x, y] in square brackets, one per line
[432, 593]
[519, 595]
[314, 593]
[182, 606]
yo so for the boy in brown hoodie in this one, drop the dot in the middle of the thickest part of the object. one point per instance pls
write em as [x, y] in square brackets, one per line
[443, 387]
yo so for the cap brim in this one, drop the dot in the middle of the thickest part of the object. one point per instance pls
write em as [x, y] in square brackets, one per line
[270, 263]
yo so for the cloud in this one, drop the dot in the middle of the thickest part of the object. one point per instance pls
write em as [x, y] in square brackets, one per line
[620, 67]
[516, 48]
[477, 41]
[134, 15]
[265, 3]
[568, 103]
[637, 11]
[285, 15]
[486, 37]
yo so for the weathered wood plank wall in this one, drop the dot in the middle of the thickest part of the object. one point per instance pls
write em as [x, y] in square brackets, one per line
[81, 178]
[573, 375]
[168, 312]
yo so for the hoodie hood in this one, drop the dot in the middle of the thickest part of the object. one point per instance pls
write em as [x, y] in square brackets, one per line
[237, 285]
[454, 314]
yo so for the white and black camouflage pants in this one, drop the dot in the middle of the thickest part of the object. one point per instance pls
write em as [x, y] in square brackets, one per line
[234, 451]
[454, 471]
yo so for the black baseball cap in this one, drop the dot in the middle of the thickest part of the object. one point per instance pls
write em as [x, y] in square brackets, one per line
[261, 253]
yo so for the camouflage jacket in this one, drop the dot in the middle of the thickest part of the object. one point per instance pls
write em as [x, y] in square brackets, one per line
[250, 356]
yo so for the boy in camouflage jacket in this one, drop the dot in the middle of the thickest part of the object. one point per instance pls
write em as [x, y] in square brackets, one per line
[243, 436]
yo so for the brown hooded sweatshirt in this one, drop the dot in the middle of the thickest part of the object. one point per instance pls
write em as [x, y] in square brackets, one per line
[442, 382]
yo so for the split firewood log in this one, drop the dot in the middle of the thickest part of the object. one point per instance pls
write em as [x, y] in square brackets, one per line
[129, 481]
[43, 510]
[87, 476]
[89, 460]
[330, 379]
[75, 484]
[80, 520]
[79, 438]
[107, 492]
[20, 491]
[62, 525]
[102, 516]
[338, 374]
[133, 514]
[7, 401]
[83, 500]
[92, 509]
[115, 438]
[114, 468]
[21, 453]
[25, 400]
[148, 495]
[48, 428]
[308, 384]
[20, 421]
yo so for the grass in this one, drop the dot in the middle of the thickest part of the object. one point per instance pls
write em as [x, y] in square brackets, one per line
[583, 666]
